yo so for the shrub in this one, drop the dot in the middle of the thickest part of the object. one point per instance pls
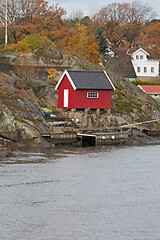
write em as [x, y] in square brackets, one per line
[125, 106]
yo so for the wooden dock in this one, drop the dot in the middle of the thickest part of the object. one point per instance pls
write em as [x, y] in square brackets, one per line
[150, 132]
[87, 139]
[108, 138]
[63, 138]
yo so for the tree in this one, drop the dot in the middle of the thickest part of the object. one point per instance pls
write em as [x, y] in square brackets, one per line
[86, 21]
[26, 17]
[150, 36]
[140, 12]
[122, 21]
[79, 42]
[102, 42]
[74, 18]
[30, 43]
[91, 52]
[124, 12]
[155, 20]
[130, 31]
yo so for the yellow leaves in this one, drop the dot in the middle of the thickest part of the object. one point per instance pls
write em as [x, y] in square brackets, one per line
[52, 72]
[24, 55]
[35, 41]
[83, 44]
[12, 48]
[82, 30]
[29, 44]
[91, 52]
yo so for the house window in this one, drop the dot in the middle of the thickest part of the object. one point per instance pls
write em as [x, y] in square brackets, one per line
[141, 57]
[137, 56]
[145, 69]
[152, 69]
[138, 69]
[92, 94]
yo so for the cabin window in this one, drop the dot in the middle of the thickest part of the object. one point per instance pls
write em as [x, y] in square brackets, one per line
[138, 69]
[92, 94]
[145, 69]
[152, 69]
[137, 57]
[141, 57]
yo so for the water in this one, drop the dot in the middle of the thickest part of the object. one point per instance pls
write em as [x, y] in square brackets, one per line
[81, 194]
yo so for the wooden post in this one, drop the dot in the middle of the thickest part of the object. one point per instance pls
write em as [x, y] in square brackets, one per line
[86, 110]
[98, 112]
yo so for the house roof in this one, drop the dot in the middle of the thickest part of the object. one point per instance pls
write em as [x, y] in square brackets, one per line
[123, 64]
[150, 89]
[129, 51]
[120, 51]
[149, 52]
[94, 80]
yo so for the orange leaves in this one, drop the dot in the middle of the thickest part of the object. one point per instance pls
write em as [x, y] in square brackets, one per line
[122, 21]
[83, 44]
[91, 53]
[151, 34]
[32, 16]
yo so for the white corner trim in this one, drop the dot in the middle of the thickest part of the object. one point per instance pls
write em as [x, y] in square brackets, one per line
[69, 78]
[141, 88]
[56, 87]
[109, 80]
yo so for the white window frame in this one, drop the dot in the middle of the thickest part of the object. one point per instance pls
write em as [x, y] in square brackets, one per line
[137, 57]
[92, 94]
[141, 57]
[152, 69]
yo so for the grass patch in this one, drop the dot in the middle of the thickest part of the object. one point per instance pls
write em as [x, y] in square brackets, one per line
[120, 92]
[146, 82]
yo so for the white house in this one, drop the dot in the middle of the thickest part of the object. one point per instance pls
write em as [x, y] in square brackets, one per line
[136, 62]
[145, 62]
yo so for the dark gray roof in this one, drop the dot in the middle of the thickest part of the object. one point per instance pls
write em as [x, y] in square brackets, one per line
[90, 80]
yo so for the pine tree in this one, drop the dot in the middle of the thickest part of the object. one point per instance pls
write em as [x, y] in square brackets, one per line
[103, 45]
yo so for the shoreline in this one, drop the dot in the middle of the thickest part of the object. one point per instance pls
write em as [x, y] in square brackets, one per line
[134, 139]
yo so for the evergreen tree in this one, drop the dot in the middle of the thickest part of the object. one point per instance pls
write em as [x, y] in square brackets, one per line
[103, 45]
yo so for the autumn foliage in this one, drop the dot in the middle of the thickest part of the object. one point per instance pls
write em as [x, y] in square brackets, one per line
[34, 24]
[83, 44]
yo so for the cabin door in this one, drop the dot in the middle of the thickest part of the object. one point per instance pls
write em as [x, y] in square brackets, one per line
[66, 98]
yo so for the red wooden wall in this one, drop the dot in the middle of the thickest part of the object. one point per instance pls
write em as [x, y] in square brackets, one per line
[78, 98]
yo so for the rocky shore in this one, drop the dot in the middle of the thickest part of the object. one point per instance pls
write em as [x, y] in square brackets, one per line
[23, 121]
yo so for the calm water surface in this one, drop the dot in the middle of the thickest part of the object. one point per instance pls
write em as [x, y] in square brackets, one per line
[101, 193]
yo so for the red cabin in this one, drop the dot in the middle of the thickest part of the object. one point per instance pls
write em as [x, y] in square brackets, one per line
[84, 89]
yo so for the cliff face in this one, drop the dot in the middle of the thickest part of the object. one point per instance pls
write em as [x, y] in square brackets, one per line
[20, 109]
[133, 105]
